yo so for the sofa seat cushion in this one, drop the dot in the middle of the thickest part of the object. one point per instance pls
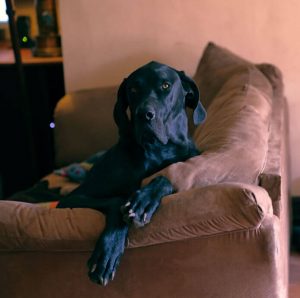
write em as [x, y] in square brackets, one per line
[201, 212]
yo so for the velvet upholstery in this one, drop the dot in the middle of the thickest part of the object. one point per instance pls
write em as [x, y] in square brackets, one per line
[223, 234]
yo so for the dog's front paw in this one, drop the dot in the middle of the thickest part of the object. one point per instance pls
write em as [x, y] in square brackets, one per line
[106, 257]
[143, 204]
[140, 209]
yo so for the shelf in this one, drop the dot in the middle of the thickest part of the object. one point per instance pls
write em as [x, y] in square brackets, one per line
[7, 57]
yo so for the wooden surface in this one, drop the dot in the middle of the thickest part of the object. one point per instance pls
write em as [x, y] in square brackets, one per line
[7, 57]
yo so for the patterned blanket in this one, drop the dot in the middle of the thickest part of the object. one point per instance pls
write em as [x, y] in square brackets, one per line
[47, 197]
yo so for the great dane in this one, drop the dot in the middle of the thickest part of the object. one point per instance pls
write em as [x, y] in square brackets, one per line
[153, 133]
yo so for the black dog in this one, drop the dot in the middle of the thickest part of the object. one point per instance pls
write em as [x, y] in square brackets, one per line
[152, 137]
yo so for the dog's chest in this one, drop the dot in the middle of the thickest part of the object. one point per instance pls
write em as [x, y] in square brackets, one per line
[158, 157]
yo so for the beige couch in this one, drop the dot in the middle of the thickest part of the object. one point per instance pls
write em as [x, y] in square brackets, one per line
[223, 234]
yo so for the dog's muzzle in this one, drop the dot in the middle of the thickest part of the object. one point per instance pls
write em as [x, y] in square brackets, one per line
[149, 128]
[146, 114]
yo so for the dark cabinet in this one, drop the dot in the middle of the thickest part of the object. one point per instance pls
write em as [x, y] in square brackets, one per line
[45, 86]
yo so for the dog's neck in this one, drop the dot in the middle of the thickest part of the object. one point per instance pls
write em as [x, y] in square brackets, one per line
[158, 156]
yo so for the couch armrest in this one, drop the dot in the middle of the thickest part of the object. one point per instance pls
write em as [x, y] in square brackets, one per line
[206, 211]
[201, 212]
[84, 124]
[30, 227]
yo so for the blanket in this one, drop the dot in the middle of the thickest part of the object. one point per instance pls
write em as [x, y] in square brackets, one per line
[47, 197]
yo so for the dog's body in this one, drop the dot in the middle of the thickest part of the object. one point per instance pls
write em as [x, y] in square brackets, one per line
[155, 135]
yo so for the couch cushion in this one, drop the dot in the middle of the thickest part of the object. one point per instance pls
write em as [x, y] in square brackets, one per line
[234, 138]
[216, 66]
[236, 114]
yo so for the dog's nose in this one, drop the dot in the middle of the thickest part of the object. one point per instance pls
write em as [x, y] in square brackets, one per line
[150, 115]
[146, 113]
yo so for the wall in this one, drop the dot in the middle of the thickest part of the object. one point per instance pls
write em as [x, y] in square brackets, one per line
[105, 40]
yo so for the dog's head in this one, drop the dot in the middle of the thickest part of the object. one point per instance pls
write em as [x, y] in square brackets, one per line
[156, 96]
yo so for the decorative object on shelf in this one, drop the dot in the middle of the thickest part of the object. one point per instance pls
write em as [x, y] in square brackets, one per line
[23, 26]
[48, 42]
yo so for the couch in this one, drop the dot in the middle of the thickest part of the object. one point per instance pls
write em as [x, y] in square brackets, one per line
[224, 233]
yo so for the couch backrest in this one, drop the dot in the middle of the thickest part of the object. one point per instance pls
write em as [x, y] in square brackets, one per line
[216, 67]
[84, 124]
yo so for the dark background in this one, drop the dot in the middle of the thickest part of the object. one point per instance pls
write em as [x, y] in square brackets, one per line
[45, 86]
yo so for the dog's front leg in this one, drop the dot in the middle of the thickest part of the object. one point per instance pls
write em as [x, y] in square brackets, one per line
[145, 201]
[108, 251]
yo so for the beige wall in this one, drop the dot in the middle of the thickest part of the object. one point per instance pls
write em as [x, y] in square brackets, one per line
[105, 40]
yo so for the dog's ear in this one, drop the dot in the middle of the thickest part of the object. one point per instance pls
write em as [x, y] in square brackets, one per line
[120, 110]
[192, 98]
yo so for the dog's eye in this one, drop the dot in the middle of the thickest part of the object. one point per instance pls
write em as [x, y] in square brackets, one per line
[165, 86]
